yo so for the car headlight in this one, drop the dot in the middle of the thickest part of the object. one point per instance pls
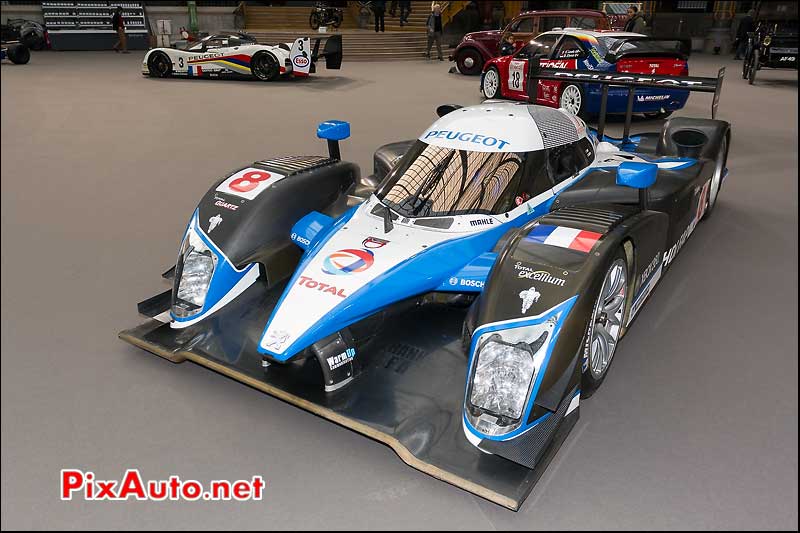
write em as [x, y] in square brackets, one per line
[193, 276]
[503, 375]
[767, 40]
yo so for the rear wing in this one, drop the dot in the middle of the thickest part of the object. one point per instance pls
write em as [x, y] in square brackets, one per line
[630, 81]
[649, 47]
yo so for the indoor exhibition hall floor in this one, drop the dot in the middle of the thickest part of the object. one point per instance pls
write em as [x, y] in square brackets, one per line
[695, 427]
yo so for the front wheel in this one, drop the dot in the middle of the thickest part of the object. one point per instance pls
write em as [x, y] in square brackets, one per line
[605, 325]
[314, 21]
[469, 62]
[264, 66]
[751, 75]
[19, 54]
[159, 65]
[571, 99]
[491, 83]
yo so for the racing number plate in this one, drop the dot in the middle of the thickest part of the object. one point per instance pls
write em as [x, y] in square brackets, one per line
[248, 183]
[516, 75]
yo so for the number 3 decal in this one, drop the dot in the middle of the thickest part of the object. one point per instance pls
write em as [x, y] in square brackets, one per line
[180, 62]
[249, 182]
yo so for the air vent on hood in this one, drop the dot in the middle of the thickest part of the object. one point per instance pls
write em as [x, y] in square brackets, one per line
[293, 164]
[599, 219]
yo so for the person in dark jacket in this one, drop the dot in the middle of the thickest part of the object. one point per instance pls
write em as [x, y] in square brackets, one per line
[746, 25]
[405, 10]
[118, 24]
[636, 22]
[434, 26]
[379, 10]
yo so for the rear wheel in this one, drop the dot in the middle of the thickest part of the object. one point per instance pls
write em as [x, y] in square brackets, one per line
[264, 66]
[159, 65]
[605, 325]
[571, 99]
[751, 74]
[19, 54]
[491, 83]
[469, 62]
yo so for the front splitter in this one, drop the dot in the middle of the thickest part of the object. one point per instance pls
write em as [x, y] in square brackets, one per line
[409, 395]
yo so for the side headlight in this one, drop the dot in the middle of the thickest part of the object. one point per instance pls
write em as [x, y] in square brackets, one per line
[193, 276]
[503, 375]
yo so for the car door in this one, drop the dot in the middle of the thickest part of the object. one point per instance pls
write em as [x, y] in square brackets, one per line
[566, 54]
[516, 82]
[202, 60]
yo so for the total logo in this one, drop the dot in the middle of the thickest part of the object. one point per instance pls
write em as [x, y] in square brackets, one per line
[526, 272]
[348, 261]
[226, 205]
[311, 283]
[300, 61]
[342, 359]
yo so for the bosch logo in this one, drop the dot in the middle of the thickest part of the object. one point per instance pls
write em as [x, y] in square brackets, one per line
[301, 240]
[348, 261]
[301, 61]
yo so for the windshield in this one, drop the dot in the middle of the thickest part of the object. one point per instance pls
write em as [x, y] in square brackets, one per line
[435, 181]
[432, 181]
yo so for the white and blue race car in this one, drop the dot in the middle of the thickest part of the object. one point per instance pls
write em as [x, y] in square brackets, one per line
[457, 303]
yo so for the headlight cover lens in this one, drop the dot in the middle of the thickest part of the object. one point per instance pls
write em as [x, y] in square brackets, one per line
[196, 268]
[503, 376]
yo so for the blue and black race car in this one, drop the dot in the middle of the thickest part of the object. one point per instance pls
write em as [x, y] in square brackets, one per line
[459, 302]
[602, 51]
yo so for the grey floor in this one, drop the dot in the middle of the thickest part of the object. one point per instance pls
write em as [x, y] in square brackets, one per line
[695, 427]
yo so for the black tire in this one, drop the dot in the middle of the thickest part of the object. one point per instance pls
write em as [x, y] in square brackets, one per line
[314, 21]
[19, 54]
[593, 376]
[751, 75]
[159, 65]
[716, 180]
[568, 92]
[264, 66]
[469, 61]
[337, 21]
[491, 89]
[657, 115]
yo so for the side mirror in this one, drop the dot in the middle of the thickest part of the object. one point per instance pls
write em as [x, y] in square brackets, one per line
[334, 131]
[444, 109]
[637, 176]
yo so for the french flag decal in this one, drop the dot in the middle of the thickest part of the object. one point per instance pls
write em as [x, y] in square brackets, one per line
[572, 238]
[195, 71]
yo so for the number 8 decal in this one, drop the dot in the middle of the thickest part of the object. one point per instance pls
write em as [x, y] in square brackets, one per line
[249, 181]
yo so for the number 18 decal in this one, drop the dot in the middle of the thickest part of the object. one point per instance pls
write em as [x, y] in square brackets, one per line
[515, 75]
[249, 182]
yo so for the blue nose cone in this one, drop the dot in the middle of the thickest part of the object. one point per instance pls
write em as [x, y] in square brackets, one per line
[333, 130]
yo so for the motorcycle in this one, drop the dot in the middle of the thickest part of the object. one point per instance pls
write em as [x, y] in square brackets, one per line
[323, 15]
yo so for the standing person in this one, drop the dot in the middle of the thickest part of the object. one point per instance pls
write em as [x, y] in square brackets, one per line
[118, 23]
[434, 26]
[635, 21]
[378, 11]
[747, 25]
[393, 8]
[405, 9]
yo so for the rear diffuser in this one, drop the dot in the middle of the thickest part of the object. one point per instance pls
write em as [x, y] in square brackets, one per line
[408, 396]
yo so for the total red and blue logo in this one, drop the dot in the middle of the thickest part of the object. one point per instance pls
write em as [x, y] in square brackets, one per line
[348, 261]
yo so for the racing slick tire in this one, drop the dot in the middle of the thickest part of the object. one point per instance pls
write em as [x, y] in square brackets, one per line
[469, 61]
[751, 74]
[572, 99]
[19, 54]
[159, 65]
[491, 83]
[716, 180]
[265, 66]
[605, 324]
[314, 21]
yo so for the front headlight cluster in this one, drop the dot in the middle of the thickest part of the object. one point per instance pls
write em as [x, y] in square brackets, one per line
[196, 265]
[506, 365]
[767, 40]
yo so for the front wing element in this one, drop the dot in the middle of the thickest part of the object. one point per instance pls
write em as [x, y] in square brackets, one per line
[409, 395]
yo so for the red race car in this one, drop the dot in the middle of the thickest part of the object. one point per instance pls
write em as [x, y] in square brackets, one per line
[604, 51]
